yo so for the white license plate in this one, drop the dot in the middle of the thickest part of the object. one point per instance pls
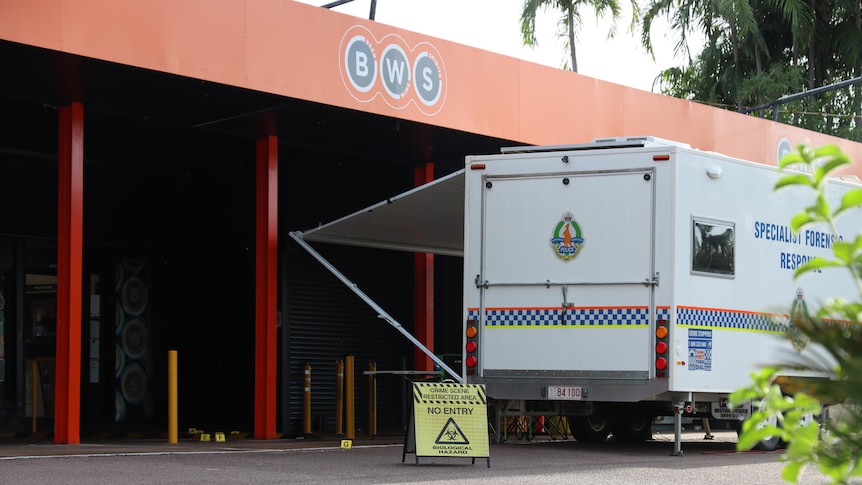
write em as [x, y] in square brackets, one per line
[566, 393]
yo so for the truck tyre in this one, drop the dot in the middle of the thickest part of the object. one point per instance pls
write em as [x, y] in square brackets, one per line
[768, 444]
[594, 428]
[774, 442]
[633, 428]
[771, 443]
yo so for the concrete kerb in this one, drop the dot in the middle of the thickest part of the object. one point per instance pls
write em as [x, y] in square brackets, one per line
[43, 445]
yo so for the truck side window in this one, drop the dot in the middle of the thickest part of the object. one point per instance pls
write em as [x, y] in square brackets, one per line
[712, 247]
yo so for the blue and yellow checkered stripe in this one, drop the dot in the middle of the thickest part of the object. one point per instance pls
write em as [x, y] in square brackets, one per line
[720, 318]
[574, 317]
[716, 318]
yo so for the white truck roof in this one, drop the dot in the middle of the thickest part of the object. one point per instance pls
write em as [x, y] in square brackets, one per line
[611, 142]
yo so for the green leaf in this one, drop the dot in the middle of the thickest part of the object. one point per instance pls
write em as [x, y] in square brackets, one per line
[850, 200]
[844, 251]
[791, 470]
[834, 164]
[748, 439]
[828, 150]
[832, 152]
[796, 179]
[792, 158]
[857, 242]
[806, 403]
[814, 264]
[800, 220]
[821, 207]
[744, 395]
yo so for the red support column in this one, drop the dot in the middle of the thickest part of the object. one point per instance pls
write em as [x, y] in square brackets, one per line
[266, 269]
[67, 385]
[423, 299]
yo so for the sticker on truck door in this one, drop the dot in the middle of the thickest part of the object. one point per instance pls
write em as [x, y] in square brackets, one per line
[567, 239]
[699, 349]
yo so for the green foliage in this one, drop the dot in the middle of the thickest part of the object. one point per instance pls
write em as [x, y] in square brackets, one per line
[833, 446]
[570, 22]
[774, 82]
[755, 52]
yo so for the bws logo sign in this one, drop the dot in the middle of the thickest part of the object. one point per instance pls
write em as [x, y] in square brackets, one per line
[401, 75]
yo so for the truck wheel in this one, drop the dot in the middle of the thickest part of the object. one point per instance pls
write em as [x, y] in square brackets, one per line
[771, 443]
[818, 418]
[634, 428]
[774, 442]
[590, 429]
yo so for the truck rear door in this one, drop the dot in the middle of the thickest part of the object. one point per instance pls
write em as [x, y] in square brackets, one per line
[567, 275]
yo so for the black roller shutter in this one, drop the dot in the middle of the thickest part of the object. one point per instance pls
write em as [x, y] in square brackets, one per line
[322, 320]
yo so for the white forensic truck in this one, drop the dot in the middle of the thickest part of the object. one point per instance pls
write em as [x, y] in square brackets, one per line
[618, 280]
[614, 281]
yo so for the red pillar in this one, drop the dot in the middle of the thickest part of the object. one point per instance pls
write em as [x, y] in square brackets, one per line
[67, 385]
[423, 265]
[266, 269]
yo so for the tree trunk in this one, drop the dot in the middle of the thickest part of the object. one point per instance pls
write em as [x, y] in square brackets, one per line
[857, 71]
[758, 63]
[571, 17]
[734, 42]
[812, 52]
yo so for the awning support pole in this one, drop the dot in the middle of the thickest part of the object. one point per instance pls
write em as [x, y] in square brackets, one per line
[381, 313]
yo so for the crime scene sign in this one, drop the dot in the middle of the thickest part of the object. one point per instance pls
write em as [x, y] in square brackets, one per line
[448, 420]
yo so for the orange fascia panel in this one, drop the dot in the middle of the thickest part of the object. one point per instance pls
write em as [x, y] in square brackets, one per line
[196, 38]
[482, 92]
[556, 106]
[667, 118]
[743, 136]
[292, 49]
[298, 50]
[35, 22]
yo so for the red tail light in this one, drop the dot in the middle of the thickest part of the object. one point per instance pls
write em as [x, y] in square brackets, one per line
[470, 359]
[661, 348]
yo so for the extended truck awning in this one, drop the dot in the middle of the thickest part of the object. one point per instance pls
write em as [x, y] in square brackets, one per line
[427, 219]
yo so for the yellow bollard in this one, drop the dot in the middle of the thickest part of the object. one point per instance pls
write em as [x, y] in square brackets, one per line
[350, 432]
[339, 396]
[372, 399]
[173, 426]
[306, 417]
